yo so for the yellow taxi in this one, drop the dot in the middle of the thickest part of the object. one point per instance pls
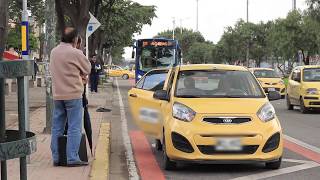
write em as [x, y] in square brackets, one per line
[270, 80]
[304, 88]
[117, 71]
[208, 114]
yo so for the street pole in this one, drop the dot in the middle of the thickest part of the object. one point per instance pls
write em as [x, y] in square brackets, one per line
[180, 26]
[48, 46]
[25, 57]
[197, 26]
[294, 5]
[174, 28]
[248, 43]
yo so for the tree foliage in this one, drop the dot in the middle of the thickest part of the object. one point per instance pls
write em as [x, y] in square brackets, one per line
[3, 24]
[120, 19]
[35, 6]
[14, 39]
[120, 22]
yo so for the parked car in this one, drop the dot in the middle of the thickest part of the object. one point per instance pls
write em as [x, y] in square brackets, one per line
[208, 114]
[304, 88]
[270, 80]
[117, 71]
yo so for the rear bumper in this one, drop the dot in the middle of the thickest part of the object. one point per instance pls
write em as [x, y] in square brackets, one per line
[280, 88]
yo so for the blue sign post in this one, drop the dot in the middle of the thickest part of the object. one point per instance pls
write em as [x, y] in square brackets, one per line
[25, 38]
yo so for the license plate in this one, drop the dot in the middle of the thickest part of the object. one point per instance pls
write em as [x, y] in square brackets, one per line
[228, 144]
[271, 89]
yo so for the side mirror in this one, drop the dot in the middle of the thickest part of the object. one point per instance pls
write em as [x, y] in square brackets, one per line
[297, 79]
[161, 95]
[274, 95]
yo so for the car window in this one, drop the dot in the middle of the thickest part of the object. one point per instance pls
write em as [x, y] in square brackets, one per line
[153, 81]
[311, 75]
[217, 83]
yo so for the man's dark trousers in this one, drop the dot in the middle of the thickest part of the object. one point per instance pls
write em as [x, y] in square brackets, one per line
[94, 80]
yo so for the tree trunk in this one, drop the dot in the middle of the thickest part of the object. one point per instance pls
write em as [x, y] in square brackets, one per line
[3, 25]
[77, 11]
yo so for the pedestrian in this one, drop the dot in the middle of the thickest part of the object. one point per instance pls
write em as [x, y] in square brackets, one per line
[94, 75]
[68, 66]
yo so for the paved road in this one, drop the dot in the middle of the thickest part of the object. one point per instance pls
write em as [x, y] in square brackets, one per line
[301, 156]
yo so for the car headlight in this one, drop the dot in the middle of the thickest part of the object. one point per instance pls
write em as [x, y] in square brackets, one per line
[182, 112]
[266, 112]
[312, 91]
[139, 76]
[281, 82]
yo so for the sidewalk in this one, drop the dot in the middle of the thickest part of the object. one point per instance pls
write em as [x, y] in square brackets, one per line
[41, 164]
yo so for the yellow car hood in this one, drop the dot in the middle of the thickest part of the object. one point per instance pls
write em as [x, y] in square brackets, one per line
[307, 85]
[224, 105]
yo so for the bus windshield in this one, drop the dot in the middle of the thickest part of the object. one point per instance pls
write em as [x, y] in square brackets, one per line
[153, 57]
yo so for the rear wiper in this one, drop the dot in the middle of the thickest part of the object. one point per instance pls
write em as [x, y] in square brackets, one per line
[188, 96]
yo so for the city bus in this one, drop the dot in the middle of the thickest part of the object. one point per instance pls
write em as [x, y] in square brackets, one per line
[155, 53]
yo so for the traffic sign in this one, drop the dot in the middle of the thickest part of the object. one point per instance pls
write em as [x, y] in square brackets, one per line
[93, 25]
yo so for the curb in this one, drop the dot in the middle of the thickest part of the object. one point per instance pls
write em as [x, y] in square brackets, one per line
[100, 166]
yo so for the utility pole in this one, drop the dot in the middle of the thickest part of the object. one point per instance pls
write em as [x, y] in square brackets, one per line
[180, 26]
[48, 46]
[248, 43]
[25, 57]
[197, 26]
[294, 5]
[174, 27]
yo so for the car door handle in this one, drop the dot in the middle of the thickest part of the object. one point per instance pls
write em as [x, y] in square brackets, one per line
[133, 95]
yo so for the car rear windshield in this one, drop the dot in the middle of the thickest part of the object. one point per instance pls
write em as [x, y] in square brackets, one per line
[311, 75]
[217, 84]
[265, 74]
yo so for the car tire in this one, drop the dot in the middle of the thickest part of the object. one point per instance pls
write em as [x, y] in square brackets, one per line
[125, 76]
[303, 108]
[167, 164]
[158, 145]
[283, 96]
[274, 165]
[289, 105]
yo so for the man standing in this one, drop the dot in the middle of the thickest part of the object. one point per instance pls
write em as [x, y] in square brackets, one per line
[68, 66]
[94, 75]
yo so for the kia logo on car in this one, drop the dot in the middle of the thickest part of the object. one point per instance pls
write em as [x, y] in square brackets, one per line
[227, 120]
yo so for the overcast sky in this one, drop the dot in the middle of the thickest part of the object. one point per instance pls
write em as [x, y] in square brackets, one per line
[214, 15]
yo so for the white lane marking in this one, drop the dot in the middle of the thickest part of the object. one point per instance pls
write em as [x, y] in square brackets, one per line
[133, 174]
[297, 161]
[287, 170]
[303, 144]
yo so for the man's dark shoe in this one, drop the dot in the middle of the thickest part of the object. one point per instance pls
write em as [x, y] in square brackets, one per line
[55, 164]
[77, 164]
